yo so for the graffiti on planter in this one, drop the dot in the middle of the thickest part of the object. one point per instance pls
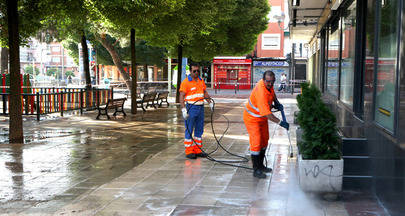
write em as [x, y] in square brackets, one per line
[326, 171]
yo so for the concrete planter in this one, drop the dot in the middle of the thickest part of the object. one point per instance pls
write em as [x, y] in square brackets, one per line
[320, 175]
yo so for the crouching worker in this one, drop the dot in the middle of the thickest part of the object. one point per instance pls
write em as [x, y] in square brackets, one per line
[256, 115]
[192, 95]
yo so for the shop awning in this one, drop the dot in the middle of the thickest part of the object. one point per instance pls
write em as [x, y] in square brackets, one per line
[237, 61]
[308, 17]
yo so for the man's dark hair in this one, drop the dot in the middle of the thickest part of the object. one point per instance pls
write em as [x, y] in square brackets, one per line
[192, 63]
[268, 73]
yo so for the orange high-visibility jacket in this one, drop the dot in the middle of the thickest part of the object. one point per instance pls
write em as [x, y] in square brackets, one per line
[194, 91]
[259, 102]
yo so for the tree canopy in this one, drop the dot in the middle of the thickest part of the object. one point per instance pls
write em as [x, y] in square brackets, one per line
[235, 34]
[30, 14]
[148, 55]
[211, 28]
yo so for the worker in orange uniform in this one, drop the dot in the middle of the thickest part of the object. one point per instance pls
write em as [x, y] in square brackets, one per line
[192, 95]
[256, 115]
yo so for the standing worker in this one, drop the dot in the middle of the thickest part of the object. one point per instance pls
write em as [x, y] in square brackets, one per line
[193, 92]
[256, 115]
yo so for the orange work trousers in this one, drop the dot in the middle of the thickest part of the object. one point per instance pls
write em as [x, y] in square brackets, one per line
[258, 129]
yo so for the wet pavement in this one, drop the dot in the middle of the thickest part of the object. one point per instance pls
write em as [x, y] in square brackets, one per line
[77, 165]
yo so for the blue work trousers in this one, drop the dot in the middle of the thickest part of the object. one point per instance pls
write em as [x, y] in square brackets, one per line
[195, 121]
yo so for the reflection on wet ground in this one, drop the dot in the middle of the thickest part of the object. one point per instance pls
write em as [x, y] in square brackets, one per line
[64, 158]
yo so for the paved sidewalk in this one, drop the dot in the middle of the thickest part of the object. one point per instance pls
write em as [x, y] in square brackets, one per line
[136, 166]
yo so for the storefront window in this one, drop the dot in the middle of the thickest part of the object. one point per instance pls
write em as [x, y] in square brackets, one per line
[333, 61]
[370, 55]
[231, 73]
[348, 54]
[387, 64]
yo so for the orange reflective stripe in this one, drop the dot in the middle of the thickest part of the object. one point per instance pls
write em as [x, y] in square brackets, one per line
[193, 90]
[252, 110]
[188, 143]
[259, 101]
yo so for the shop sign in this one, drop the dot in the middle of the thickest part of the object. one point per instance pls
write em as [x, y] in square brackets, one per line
[221, 75]
[243, 74]
[333, 64]
[232, 61]
[270, 64]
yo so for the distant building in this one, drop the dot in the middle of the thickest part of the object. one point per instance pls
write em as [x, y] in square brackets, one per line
[47, 56]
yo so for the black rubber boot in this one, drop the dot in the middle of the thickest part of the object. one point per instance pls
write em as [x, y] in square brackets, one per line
[202, 154]
[191, 156]
[256, 170]
[261, 164]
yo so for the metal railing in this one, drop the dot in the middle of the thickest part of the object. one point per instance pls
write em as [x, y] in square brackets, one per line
[53, 100]
[292, 86]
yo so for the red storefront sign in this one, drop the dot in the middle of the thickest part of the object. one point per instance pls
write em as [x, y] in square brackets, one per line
[228, 72]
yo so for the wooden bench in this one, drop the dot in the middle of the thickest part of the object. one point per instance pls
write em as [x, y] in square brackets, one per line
[117, 104]
[162, 97]
[148, 99]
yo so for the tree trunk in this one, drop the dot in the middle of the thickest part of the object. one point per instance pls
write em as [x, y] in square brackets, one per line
[134, 73]
[145, 72]
[179, 69]
[116, 58]
[4, 60]
[86, 68]
[16, 126]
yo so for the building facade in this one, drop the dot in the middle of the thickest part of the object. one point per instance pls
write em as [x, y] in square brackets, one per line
[274, 47]
[47, 57]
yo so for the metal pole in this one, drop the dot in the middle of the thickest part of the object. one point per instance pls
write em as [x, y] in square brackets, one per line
[112, 93]
[169, 74]
[33, 65]
[63, 64]
[4, 104]
[81, 101]
[38, 111]
[61, 103]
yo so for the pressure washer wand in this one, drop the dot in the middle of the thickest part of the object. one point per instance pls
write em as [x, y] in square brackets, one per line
[290, 149]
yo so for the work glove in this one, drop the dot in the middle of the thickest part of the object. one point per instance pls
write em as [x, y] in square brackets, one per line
[278, 105]
[185, 114]
[211, 106]
[285, 125]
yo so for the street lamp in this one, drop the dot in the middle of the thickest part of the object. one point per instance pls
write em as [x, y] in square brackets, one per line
[280, 18]
[289, 57]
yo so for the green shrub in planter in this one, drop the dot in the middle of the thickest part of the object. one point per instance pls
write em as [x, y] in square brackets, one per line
[320, 140]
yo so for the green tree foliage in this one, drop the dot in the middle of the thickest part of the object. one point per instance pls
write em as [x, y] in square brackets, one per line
[30, 12]
[118, 17]
[69, 19]
[239, 22]
[180, 26]
[149, 55]
[51, 71]
[69, 73]
[320, 140]
[30, 70]
[211, 28]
